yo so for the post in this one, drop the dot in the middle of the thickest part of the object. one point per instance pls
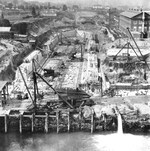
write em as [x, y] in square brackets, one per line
[105, 123]
[81, 53]
[4, 93]
[20, 123]
[101, 83]
[80, 120]
[84, 37]
[92, 123]
[5, 119]
[57, 119]
[35, 82]
[104, 119]
[128, 51]
[7, 91]
[46, 123]
[32, 123]
[68, 121]
[61, 37]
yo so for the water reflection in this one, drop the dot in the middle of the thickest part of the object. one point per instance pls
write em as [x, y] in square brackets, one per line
[74, 142]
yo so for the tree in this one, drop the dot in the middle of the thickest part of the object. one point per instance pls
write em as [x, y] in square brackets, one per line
[2, 15]
[21, 7]
[49, 6]
[39, 13]
[75, 7]
[65, 7]
[41, 7]
[10, 5]
[33, 12]
[45, 7]
[15, 2]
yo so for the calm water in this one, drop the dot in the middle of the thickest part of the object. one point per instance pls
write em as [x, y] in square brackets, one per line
[74, 142]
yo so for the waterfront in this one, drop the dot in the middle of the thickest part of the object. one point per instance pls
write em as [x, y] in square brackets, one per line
[75, 71]
[78, 141]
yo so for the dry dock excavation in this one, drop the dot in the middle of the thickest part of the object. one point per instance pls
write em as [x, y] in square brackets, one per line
[76, 82]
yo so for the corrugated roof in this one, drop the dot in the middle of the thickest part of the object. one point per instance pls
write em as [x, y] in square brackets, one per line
[130, 14]
[2, 84]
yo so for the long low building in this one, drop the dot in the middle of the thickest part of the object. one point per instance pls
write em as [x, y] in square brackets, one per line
[130, 86]
[114, 51]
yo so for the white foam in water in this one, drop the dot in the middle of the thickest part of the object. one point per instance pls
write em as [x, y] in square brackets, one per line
[121, 142]
[125, 142]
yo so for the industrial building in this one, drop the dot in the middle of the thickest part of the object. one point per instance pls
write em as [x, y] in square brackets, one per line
[137, 21]
[5, 27]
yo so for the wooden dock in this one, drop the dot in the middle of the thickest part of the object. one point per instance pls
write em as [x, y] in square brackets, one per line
[60, 120]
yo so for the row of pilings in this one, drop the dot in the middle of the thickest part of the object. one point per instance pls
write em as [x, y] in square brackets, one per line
[57, 121]
[64, 120]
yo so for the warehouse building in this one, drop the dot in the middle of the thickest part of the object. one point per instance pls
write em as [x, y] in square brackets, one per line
[5, 27]
[134, 20]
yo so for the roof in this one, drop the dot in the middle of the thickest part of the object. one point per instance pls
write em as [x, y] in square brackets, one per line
[114, 51]
[130, 14]
[5, 29]
[73, 94]
[2, 84]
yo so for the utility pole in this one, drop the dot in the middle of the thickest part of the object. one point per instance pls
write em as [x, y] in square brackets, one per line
[35, 82]
[143, 20]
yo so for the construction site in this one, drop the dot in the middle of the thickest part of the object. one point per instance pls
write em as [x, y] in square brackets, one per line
[72, 75]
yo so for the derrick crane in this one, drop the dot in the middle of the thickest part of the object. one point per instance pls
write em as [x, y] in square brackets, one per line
[137, 52]
[143, 59]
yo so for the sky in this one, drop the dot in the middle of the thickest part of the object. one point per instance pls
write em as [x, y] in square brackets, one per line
[142, 3]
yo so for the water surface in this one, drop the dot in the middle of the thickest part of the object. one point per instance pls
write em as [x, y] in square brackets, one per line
[78, 141]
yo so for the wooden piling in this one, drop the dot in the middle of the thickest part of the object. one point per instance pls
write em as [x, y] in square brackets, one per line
[105, 123]
[32, 123]
[57, 119]
[20, 123]
[68, 121]
[80, 121]
[92, 123]
[5, 121]
[46, 123]
[104, 119]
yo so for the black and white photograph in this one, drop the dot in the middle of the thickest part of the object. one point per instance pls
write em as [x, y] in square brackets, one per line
[74, 75]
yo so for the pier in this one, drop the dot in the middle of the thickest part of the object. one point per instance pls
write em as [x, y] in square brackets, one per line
[56, 121]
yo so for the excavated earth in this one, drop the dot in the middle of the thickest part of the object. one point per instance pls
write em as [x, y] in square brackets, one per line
[13, 52]
[135, 111]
